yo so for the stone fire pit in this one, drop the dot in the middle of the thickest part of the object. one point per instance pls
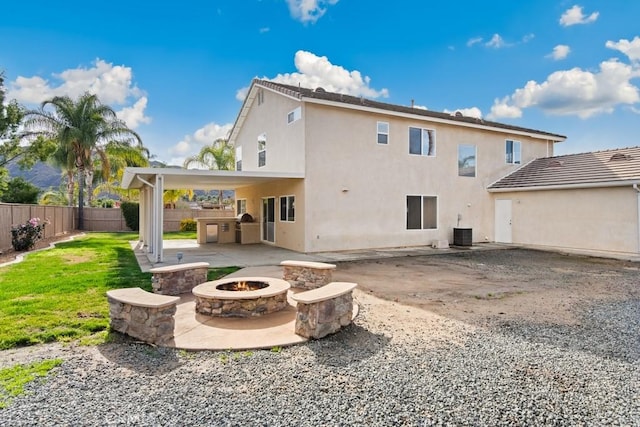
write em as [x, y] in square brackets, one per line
[241, 296]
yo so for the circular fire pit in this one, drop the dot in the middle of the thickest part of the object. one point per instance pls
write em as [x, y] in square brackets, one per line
[241, 296]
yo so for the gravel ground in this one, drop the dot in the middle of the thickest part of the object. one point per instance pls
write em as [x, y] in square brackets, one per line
[396, 365]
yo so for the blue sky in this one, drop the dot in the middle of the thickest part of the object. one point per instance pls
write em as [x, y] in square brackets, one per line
[176, 72]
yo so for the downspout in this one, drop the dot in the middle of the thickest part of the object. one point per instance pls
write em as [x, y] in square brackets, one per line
[635, 187]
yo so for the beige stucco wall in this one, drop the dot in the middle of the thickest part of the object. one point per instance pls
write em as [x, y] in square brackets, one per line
[285, 141]
[601, 219]
[356, 189]
[289, 235]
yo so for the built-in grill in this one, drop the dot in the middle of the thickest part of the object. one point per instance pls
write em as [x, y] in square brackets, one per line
[243, 218]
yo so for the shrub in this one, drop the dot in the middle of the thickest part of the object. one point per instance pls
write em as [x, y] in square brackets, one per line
[25, 236]
[20, 191]
[188, 224]
[131, 214]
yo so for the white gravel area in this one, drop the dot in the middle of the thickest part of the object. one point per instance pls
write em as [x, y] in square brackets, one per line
[396, 365]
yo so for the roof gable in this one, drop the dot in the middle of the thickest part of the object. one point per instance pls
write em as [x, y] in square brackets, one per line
[595, 169]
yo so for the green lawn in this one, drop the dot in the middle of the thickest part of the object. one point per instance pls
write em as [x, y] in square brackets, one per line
[59, 294]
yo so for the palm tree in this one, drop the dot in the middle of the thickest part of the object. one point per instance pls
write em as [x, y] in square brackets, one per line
[120, 157]
[81, 129]
[217, 156]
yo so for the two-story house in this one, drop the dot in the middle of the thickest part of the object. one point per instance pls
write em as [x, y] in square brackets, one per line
[374, 175]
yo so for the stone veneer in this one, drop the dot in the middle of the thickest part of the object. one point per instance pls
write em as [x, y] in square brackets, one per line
[307, 275]
[142, 315]
[241, 307]
[325, 310]
[178, 279]
[212, 301]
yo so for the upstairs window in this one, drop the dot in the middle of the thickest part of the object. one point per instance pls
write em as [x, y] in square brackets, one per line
[260, 97]
[467, 160]
[294, 115]
[422, 212]
[262, 150]
[288, 208]
[422, 141]
[383, 133]
[239, 158]
[512, 152]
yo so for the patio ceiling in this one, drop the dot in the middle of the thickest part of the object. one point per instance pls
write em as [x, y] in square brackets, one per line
[201, 179]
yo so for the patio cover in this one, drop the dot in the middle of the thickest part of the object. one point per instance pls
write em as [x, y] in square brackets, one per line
[153, 181]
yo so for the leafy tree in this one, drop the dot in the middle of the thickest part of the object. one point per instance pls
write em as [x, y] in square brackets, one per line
[171, 197]
[81, 129]
[20, 191]
[217, 156]
[57, 197]
[11, 115]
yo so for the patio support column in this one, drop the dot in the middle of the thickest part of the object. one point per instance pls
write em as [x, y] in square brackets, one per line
[635, 187]
[142, 237]
[158, 219]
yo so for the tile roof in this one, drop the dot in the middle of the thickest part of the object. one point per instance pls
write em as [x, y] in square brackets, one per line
[599, 168]
[321, 94]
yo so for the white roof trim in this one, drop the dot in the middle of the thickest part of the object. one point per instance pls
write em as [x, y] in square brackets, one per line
[201, 179]
[603, 184]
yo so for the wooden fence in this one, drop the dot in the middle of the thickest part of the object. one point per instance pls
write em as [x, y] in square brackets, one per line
[63, 219]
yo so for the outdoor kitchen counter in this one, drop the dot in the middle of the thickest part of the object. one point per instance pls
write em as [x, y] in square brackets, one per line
[226, 229]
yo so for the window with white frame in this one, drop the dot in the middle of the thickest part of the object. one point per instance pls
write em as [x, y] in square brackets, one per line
[422, 212]
[422, 141]
[294, 115]
[262, 150]
[383, 132]
[238, 158]
[241, 206]
[287, 208]
[467, 160]
[513, 153]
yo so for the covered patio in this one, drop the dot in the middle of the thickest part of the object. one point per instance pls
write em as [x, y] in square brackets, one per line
[153, 181]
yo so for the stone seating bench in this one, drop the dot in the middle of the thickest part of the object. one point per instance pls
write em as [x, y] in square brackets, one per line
[178, 279]
[143, 315]
[307, 274]
[324, 310]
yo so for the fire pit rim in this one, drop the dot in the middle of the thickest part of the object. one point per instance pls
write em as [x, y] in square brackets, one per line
[208, 289]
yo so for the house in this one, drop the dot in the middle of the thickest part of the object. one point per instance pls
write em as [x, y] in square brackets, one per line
[588, 201]
[375, 174]
[325, 171]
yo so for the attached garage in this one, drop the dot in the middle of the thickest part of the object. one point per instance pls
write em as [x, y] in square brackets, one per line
[587, 202]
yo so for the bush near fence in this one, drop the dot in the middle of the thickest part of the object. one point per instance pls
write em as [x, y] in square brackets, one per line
[63, 219]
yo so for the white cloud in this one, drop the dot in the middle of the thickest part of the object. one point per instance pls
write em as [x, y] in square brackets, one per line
[528, 37]
[309, 10]
[112, 84]
[574, 16]
[473, 41]
[419, 107]
[561, 51]
[467, 112]
[629, 48]
[264, 30]
[134, 115]
[191, 144]
[575, 92]
[496, 42]
[316, 71]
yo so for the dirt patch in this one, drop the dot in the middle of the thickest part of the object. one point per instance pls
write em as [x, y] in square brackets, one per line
[486, 286]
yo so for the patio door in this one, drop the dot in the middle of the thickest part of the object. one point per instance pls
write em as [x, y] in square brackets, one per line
[269, 219]
[503, 221]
